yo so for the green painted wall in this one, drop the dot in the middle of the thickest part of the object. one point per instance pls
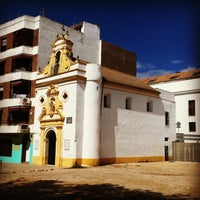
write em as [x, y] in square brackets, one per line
[17, 154]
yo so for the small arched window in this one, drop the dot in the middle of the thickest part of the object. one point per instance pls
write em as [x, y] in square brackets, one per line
[56, 65]
[57, 58]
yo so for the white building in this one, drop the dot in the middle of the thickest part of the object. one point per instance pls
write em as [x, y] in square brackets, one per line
[77, 101]
[186, 88]
[88, 114]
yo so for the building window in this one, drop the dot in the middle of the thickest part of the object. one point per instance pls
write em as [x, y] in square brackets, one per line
[23, 37]
[191, 108]
[2, 67]
[1, 112]
[192, 126]
[22, 63]
[149, 106]
[166, 139]
[107, 101]
[128, 103]
[166, 118]
[3, 44]
[6, 147]
[1, 93]
[18, 115]
[20, 88]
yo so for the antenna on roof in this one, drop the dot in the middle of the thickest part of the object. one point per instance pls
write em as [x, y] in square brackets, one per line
[63, 29]
[42, 12]
[64, 32]
[97, 23]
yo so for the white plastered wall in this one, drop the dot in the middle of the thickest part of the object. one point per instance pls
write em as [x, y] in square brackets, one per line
[136, 132]
[73, 108]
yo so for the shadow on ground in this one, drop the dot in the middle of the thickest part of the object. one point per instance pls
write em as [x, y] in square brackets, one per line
[50, 189]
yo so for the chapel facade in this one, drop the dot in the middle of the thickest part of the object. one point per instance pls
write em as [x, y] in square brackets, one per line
[89, 115]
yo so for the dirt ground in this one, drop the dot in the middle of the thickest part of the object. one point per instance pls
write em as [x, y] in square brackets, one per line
[156, 180]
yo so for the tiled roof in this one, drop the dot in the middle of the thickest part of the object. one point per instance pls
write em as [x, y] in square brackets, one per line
[172, 77]
[116, 77]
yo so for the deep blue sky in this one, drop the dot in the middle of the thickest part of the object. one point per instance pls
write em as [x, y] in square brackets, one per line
[165, 34]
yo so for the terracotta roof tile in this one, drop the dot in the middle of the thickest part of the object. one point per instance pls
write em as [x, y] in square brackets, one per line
[117, 77]
[171, 77]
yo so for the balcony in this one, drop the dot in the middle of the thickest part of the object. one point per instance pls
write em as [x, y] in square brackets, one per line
[22, 63]
[10, 129]
[13, 102]
[18, 115]
[19, 50]
[22, 100]
[23, 37]
[20, 88]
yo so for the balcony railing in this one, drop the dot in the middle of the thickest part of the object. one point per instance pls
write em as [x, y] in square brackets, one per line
[19, 128]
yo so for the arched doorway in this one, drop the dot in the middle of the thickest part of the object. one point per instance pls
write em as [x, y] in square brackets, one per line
[51, 147]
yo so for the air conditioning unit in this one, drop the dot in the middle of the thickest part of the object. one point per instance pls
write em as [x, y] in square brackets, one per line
[24, 128]
[26, 102]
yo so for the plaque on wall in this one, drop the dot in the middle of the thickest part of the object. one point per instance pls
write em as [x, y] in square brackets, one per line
[69, 120]
[66, 144]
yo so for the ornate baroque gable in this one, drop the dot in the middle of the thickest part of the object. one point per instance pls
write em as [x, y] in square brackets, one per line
[61, 57]
[52, 109]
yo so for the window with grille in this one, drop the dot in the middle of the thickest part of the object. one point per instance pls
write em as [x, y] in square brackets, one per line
[3, 44]
[192, 126]
[107, 101]
[128, 103]
[166, 118]
[149, 106]
[1, 93]
[1, 113]
[191, 108]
